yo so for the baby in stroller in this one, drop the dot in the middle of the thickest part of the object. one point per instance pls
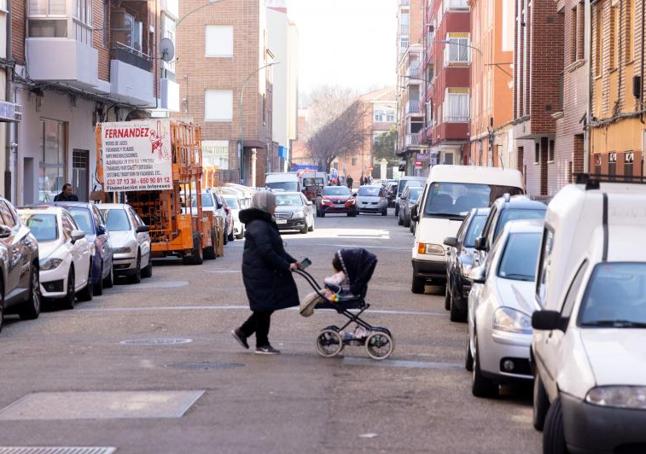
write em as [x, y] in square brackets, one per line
[345, 292]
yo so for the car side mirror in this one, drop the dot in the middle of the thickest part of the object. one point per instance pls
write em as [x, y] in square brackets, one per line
[549, 321]
[100, 230]
[5, 232]
[143, 229]
[477, 275]
[451, 241]
[77, 235]
[481, 244]
[309, 203]
[414, 213]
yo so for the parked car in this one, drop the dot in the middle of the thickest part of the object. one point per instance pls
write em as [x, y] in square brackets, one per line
[283, 181]
[451, 192]
[413, 223]
[213, 202]
[588, 342]
[89, 219]
[461, 257]
[336, 199]
[409, 197]
[65, 255]
[501, 305]
[233, 203]
[130, 241]
[20, 286]
[402, 184]
[391, 191]
[294, 212]
[372, 199]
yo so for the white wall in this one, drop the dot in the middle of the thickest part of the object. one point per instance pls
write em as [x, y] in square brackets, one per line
[277, 30]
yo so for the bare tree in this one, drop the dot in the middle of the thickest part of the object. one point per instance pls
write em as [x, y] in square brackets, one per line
[324, 104]
[339, 136]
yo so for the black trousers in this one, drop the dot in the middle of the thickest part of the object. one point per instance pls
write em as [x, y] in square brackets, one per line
[258, 323]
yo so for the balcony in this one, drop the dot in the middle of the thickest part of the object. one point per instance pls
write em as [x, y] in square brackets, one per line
[412, 139]
[131, 79]
[413, 70]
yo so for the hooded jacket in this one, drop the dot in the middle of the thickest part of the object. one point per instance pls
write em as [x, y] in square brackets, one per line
[267, 279]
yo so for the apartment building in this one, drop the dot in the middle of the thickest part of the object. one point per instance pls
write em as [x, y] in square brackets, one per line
[448, 54]
[538, 63]
[617, 127]
[225, 70]
[491, 132]
[79, 62]
[10, 113]
[410, 84]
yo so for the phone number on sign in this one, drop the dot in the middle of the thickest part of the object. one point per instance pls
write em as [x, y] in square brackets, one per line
[138, 181]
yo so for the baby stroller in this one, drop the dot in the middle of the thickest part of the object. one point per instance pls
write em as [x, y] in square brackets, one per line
[358, 265]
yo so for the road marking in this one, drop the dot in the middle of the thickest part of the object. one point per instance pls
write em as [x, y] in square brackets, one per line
[156, 341]
[401, 363]
[56, 450]
[369, 246]
[152, 285]
[224, 271]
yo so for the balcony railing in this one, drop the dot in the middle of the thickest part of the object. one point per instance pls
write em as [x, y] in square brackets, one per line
[132, 56]
[412, 139]
[412, 107]
[413, 70]
[456, 119]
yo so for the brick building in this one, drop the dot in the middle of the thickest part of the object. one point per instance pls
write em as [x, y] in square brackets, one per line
[225, 76]
[538, 63]
[79, 62]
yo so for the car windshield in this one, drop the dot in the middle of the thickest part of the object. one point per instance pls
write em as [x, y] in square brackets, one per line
[411, 183]
[283, 200]
[207, 201]
[513, 214]
[615, 297]
[336, 190]
[43, 226]
[82, 216]
[519, 258]
[413, 197]
[116, 220]
[475, 230]
[232, 202]
[455, 200]
[369, 191]
[313, 181]
[287, 186]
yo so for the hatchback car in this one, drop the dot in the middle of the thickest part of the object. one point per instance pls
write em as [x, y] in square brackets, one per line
[501, 304]
[372, 199]
[294, 212]
[65, 255]
[460, 259]
[130, 241]
[20, 289]
[409, 197]
[213, 202]
[234, 204]
[336, 199]
[89, 219]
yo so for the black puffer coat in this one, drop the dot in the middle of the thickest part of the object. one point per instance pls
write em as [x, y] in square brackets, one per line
[265, 264]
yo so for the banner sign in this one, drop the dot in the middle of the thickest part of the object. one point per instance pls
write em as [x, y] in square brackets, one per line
[137, 156]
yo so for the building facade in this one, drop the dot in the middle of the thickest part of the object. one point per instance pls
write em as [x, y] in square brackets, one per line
[491, 111]
[447, 58]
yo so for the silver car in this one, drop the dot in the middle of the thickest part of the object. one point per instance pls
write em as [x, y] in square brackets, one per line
[372, 199]
[130, 241]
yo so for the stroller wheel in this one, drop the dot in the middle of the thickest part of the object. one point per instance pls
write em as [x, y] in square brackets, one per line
[380, 344]
[329, 342]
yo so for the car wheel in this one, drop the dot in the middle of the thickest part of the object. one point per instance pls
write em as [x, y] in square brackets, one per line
[305, 229]
[136, 276]
[419, 285]
[481, 386]
[108, 282]
[195, 257]
[400, 221]
[31, 307]
[447, 298]
[209, 252]
[458, 314]
[322, 214]
[98, 287]
[396, 210]
[384, 212]
[407, 222]
[87, 293]
[468, 357]
[311, 228]
[148, 270]
[541, 404]
[70, 297]
[553, 435]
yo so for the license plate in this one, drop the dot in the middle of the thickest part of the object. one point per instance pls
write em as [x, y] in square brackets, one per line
[281, 221]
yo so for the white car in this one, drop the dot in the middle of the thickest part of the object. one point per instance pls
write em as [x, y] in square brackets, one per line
[589, 341]
[130, 241]
[234, 204]
[65, 255]
[501, 304]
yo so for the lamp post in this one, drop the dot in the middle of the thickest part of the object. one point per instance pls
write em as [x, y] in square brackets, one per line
[199, 8]
[240, 113]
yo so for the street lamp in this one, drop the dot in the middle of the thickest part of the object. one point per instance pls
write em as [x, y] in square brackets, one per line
[241, 143]
[199, 8]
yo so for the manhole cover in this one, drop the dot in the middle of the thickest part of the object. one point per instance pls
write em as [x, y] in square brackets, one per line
[157, 341]
[206, 365]
[54, 450]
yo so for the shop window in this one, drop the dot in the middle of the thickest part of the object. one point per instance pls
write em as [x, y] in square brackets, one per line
[52, 164]
[629, 159]
[215, 153]
[612, 164]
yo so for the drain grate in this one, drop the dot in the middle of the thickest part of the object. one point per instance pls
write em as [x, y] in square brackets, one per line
[54, 450]
[157, 341]
[206, 365]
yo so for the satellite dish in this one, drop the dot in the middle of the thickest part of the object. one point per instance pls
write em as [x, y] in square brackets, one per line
[167, 49]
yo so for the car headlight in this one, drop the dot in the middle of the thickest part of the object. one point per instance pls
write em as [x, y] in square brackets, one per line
[633, 397]
[430, 249]
[298, 214]
[50, 264]
[512, 321]
[350, 201]
[326, 201]
[122, 250]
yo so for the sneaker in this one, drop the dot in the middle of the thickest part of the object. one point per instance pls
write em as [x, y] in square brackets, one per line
[241, 340]
[267, 350]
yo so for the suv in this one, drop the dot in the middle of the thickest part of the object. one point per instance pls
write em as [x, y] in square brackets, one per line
[19, 276]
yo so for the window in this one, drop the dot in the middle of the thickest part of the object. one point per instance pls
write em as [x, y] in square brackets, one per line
[457, 49]
[215, 153]
[518, 260]
[43, 226]
[580, 31]
[612, 163]
[52, 164]
[573, 34]
[629, 159]
[630, 29]
[544, 265]
[614, 38]
[454, 200]
[68, 225]
[537, 153]
[597, 41]
[455, 4]
[168, 26]
[354, 161]
[379, 116]
[573, 291]
[218, 105]
[550, 151]
[47, 19]
[117, 220]
[126, 30]
[404, 22]
[219, 41]
[83, 218]
[84, 11]
[390, 116]
[456, 105]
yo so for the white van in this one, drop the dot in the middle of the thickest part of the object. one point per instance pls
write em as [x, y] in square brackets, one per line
[288, 182]
[450, 193]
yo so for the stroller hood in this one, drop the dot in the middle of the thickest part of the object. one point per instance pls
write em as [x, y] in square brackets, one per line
[358, 265]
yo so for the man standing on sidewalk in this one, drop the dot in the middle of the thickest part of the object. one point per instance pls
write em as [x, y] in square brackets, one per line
[67, 195]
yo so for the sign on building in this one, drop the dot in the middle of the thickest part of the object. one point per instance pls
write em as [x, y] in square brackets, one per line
[137, 156]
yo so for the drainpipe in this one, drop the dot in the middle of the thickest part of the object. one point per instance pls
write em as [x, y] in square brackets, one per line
[587, 140]
[9, 128]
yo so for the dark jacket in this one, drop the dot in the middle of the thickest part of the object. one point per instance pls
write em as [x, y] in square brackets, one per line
[61, 197]
[265, 264]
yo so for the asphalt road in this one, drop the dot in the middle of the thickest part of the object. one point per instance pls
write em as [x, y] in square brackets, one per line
[418, 401]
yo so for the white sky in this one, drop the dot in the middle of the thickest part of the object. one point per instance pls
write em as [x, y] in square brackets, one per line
[345, 42]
